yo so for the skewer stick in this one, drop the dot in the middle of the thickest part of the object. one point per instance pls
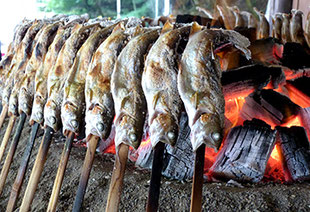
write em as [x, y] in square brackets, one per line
[117, 179]
[22, 169]
[60, 173]
[196, 198]
[154, 190]
[4, 112]
[10, 155]
[37, 170]
[88, 162]
[7, 136]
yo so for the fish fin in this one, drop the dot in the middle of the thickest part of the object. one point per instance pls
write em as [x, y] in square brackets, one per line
[195, 28]
[195, 99]
[138, 30]
[167, 27]
[212, 51]
[119, 27]
[155, 99]
[77, 27]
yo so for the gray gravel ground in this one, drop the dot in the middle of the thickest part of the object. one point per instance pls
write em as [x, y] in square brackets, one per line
[174, 196]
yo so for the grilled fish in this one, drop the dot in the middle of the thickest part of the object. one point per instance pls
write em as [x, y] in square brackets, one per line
[98, 95]
[263, 26]
[307, 30]
[296, 27]
[159, 83]
[277, 26]
[240, 22]
[251, 21]
[57, 76]
[74, 99]
[129, 100]
[199, 83]
[26, 92]
[285, 31]
[227, 16]
[41, 76]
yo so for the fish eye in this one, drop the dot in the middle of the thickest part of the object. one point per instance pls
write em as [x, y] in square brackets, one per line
[52, 120]
[100, 126]
[74, 123]
[133, 137]
[215, 136]
[171, 135]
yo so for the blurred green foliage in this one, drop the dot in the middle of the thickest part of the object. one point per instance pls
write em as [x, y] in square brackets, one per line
[138, 8]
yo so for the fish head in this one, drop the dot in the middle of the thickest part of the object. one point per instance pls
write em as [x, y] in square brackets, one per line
[24, 102]
[70, 118]
[6, 96]
[37, 110]
[207, 129]
[98, 121]
[163, 128]
[13, 104]
[51, 115]
[128, 130]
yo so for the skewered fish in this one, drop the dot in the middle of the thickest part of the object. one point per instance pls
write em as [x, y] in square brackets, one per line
[277, 26]
[129, 100]
[263, 26]
[41, 76]
[199, 83]
[159, 83]
[227, 16]
[296, 27]
[240, 22]
[73, 99]
[98, 95]
[285, 31]
[25, 97]
[57, 77]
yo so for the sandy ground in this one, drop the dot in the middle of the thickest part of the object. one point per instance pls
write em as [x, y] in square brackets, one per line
[174, 196]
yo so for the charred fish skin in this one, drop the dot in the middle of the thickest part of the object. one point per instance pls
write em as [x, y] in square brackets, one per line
[263, 28]
[296, 27]
[98, 95]
[129, 100]
[26, 92]
[285, 31]
[41, 76]
[159, 83]
[13, 89]
[200, 87]
[74, 98]
[277, 26]
[57, 76]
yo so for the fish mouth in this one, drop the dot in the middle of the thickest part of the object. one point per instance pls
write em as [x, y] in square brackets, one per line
[37, 111]
[51, 115]
[70, 120]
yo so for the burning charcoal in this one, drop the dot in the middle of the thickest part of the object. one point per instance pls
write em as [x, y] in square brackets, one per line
[245, 152]
[304, 115]
[295, 74]
[244, 80]
[178, 160]
[295, 150]
[299, 91]
[302, 84]
[295, 56]
[270, 106]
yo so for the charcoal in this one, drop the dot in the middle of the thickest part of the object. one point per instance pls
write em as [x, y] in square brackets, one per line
[245, 80]
[302, 84]
[245, 152]
[295, 150]
[295, 56]
[270, 105]
[178, 160]
[304, 115]
[299, 91]
[296, 74]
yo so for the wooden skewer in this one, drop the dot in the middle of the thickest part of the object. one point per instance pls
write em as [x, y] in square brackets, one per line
[117, 179]
[88, 162]
[7, 136]
[196, 198]
[4, 112]
[37, 170]
[22, 169]
[157, 167]
[60, 172]
[10, 155]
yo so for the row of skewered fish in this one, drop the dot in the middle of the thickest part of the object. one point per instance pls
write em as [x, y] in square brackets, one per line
[62, 70]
